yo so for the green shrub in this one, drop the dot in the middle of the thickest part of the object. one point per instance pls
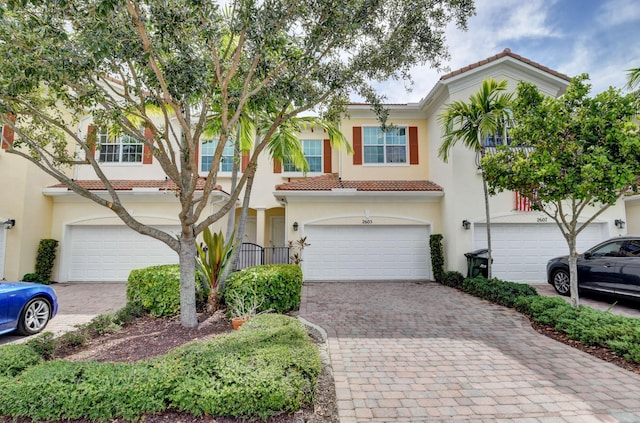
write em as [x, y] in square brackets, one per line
[590, 327]
[437, 257]
[16, 358]
[546, 310]
[132, 310]
[278, 285]
[267, 367]
[628, 346]
[46, 257]
[453, 279]
[497, 291]
[44, 344]
[76, 338]
[103, 324]
[90, 390]
[34, 277]
[157, 289]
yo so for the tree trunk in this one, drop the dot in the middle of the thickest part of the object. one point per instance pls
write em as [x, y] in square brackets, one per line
[188, 315]
[488, 218]
[573, 271]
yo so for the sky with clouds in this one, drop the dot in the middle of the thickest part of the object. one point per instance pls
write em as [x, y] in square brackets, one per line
[598, 37]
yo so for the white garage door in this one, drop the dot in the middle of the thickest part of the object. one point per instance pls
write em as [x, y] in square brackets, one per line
[521, 251]
[339, 253]
[3, 243]
[109, 253]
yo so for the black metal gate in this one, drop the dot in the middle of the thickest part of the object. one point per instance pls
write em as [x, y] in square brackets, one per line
[251, 254]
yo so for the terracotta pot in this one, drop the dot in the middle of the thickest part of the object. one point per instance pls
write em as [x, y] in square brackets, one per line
[238, 321]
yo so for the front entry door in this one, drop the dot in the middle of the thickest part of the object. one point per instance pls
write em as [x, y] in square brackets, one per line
[277, 231]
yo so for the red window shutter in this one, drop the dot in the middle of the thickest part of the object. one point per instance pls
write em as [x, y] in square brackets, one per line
[7, 133]
[147, 155]
[413, 145]
[245, 160]
[326, 156]
[92, 139]
[277, 166]
[357, 145]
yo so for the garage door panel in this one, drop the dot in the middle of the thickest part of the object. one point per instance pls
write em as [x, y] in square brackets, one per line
[521, 251]
[109, 253]
[366, 253]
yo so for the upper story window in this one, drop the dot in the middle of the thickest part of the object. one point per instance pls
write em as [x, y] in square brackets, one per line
[497, 139]
[208, 149]
[312, 152]
[121, 149]
[385, 147]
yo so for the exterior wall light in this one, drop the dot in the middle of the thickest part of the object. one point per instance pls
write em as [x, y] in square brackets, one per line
[10, 223]
[466, 224]
[619, 223]
[295, 226]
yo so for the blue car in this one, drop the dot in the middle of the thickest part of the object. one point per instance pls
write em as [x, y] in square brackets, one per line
[26, 307]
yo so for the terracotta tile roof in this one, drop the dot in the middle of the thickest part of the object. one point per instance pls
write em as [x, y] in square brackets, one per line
[332, 181]
[504, 53]
[128, 185]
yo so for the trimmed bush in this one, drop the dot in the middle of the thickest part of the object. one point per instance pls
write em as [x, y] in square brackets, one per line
[497, 291]
[157, 289]
[91, 390]
[589, 326]
[269, 366]
[437, 257]
[46, 257]
[279, 286]
[44, 344]
[34, 277]
[453, 279]
[16, 358]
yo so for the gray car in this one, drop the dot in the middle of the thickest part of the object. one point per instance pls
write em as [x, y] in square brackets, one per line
[611, 267]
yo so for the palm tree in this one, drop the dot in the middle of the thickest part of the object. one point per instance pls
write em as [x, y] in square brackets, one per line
[633, 82]
[486, 113]
[283, 145]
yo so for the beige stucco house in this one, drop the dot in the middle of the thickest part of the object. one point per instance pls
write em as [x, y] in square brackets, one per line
[366, 216]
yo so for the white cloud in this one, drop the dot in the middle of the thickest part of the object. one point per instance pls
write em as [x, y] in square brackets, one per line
[616, 12]
[602, 40]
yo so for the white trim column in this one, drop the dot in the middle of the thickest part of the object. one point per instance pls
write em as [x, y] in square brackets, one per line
[3, 250]
[260, 225]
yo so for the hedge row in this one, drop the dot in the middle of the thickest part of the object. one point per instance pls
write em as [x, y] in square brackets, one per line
[268, 366]
[277, 286]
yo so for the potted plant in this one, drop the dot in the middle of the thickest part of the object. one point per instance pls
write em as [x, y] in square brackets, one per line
[242, 306]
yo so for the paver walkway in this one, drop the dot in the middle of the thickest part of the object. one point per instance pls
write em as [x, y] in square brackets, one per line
[423, 352]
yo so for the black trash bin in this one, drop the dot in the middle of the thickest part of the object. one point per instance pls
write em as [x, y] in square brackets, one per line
[477, 263]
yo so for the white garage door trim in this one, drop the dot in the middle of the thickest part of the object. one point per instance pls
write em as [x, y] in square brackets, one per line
[366, 252]
[3, 250]
[521, 251]
[109, 253]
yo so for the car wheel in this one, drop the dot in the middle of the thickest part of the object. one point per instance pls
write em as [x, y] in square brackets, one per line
[34, 317]
[561, 282]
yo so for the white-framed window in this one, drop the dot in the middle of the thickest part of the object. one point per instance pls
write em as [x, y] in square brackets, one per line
[119, 149]
[384, 147]
[207, 151]
[312, 152]
[499, 138]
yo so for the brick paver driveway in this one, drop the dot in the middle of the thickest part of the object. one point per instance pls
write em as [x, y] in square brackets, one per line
[425, 352]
